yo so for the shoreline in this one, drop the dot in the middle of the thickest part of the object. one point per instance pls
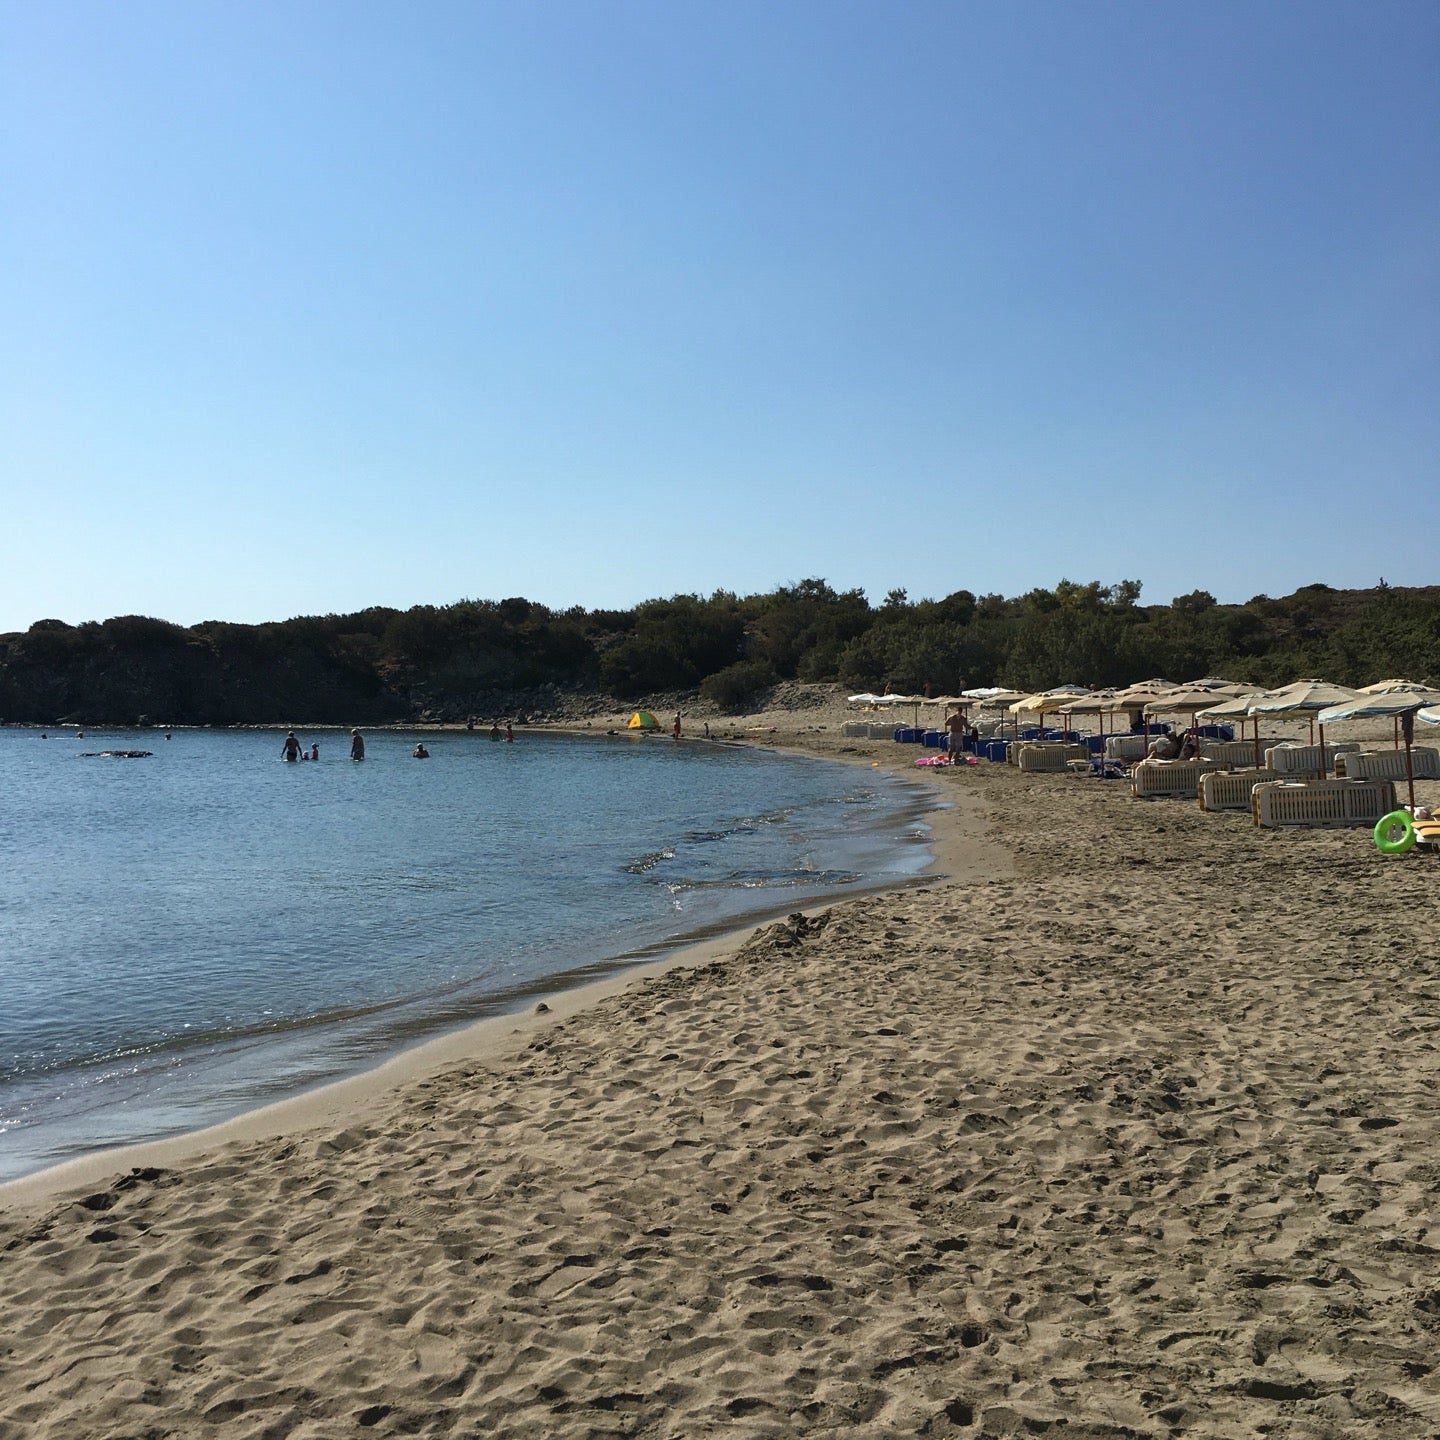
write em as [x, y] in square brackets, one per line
[489, 1038]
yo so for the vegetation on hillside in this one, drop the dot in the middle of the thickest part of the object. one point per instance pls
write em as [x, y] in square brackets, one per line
[478, 656]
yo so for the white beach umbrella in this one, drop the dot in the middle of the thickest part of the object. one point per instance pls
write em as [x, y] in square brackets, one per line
[1404, 705]
[864, 699]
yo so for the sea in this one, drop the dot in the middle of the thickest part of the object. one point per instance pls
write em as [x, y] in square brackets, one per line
[194, 932]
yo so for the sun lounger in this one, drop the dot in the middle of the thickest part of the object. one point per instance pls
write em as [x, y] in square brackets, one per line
[1389, 764]
[1126, 747]
[1304, 759]
[1322, 802]
[1169, 779]
[1427, 833]
[1050, 758]
[1238, 754]
[1230, 789]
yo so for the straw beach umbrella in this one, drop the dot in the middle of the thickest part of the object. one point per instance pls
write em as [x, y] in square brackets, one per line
[1047, 702]
[1099, 703]
[1404, 705]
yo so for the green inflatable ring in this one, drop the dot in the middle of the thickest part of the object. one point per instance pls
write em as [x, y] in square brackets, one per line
[1396, 819]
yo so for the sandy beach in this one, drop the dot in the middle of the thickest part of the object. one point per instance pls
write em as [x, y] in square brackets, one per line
[1126, 1123]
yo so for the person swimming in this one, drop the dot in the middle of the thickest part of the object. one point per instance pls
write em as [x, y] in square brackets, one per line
[420, 752]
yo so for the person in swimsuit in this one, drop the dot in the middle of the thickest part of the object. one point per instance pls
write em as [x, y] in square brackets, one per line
[357, 745]
[290, 750]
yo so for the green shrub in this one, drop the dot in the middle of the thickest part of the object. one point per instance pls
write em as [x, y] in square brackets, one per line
[737, 686]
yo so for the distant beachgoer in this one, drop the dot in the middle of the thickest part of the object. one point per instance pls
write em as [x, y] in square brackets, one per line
[675, 728]
[509, 733]
[315, 752]
[1165, 747]
[495, 731]
[291, 750]
[420, 752]
[357, 745]
[707, 729]
[955, 724]
[470, 722]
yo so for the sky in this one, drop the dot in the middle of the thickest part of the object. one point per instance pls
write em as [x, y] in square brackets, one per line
[307, 308]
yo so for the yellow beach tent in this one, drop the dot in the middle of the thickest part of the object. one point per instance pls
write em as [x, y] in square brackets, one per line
[643, 720]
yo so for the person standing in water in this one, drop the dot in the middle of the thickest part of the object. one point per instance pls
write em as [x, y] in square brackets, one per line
[675, 728]
[357, 745]
[290, 750]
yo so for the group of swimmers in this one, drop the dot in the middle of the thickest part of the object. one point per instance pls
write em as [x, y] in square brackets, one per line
[291, 750]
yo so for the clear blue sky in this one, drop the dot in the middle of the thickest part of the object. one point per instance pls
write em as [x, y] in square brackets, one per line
[308, 307]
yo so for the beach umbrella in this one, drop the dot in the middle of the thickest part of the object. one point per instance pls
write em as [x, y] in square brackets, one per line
[1184, 700]
[1237, 707]
[1099, 703]
[916, 700]
[1133, 698]
[1404, 705]
[1304, 697]
[994, 696]
[863, 699]
[1380, 687]
[1047, 702]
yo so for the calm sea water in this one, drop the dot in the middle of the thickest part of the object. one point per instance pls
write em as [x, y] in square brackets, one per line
[190, 935]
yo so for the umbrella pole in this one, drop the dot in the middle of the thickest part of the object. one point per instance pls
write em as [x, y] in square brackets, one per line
[1408, 726]
[1256, 719]
[1324, 768]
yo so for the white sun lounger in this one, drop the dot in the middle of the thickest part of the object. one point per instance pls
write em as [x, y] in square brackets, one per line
[1173, 779]
[1390, 764]
[1230, 789]
[1126, 747]
[1050, 759]
[1322, 802]
[1239, 754]
[1304, 759]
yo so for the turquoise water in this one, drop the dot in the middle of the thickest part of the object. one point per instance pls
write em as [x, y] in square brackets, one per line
[189, 935]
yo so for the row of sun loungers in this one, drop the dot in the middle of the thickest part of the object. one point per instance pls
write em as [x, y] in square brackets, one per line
[1284, 791]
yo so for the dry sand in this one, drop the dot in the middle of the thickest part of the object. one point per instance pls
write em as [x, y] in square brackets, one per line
[1125, 1126]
